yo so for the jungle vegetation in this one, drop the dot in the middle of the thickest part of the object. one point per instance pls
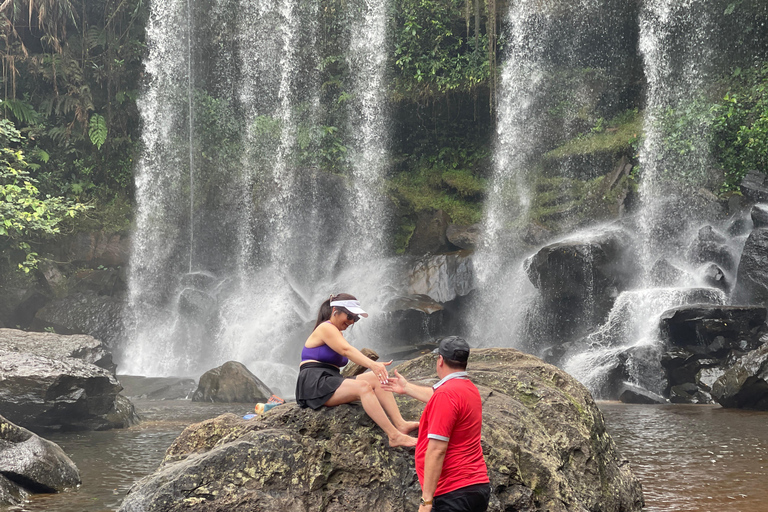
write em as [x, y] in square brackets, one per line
[72, 74]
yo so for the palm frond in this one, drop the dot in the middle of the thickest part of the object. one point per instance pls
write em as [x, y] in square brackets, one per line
[21, 110]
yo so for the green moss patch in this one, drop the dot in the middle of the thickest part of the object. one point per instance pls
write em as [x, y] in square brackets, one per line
[616, 136]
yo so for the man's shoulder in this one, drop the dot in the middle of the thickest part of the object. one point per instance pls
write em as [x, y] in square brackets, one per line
[459, 386]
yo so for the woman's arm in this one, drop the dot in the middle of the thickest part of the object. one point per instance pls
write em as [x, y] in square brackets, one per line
[332, 337]
[400, 385]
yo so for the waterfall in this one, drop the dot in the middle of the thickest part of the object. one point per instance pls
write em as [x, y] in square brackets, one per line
[249, 162]
[538, 44]
[544, 42]
[675, 44]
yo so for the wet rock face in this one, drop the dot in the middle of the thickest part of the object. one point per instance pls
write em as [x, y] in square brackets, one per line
[57, 346]
[712, 247]
[30, 464]
[702, 343]
[464, 237]
[544, 441]
[752, 277]
[712, 331]
[231, 382]
[430, 237]
[578, 281]
[745, 384]
[759, 215]
[443, 277]
[41, 393]
[100, 316]
[573, 269]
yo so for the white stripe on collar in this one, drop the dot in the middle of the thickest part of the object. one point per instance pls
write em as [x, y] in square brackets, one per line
[454, 375]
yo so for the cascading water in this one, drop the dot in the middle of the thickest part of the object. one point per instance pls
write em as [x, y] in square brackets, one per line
[273, 231]
[677, 56]
[541, 39]
[674, 44]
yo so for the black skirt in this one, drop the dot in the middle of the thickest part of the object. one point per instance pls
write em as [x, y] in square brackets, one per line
[316, 384]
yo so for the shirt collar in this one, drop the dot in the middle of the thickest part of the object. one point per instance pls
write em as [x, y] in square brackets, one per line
[454, 375]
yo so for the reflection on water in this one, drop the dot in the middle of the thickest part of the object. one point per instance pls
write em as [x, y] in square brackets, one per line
[689, 458]
[111, 461]
[694, 458]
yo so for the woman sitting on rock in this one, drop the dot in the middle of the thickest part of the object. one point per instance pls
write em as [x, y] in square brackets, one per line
[321, 384]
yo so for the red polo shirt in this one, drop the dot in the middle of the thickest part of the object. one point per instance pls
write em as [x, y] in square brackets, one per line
[454, 414]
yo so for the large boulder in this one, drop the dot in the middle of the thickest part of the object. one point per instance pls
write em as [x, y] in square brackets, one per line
[745, 384]
[429, 236]
[544, 441]
[464, 237]
[712, 330]
[416, 319]
[754, 186]
[752, 276]
[100, 316]
[711, 246]
[30, 464]
[759, 215]
[41, 393]
[582, 268]
[702, 340]
[578, 281]
[443, 277]
[664, 273]
[57, 346]
[231, 382]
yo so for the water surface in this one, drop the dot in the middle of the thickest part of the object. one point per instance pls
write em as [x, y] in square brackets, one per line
[688, 458]
[694, 458]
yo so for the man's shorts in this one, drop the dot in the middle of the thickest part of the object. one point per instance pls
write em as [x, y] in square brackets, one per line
[472, 498]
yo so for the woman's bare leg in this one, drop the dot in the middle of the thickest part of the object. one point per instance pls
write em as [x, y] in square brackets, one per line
[387, 401]
[351, 390]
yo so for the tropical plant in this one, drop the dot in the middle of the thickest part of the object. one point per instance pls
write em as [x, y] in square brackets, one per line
[25, 214]
[740, 126]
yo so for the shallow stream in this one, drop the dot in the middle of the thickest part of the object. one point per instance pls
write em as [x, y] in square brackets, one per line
[689, 458]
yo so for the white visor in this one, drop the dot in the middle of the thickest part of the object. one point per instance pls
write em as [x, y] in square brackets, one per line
[353, 306]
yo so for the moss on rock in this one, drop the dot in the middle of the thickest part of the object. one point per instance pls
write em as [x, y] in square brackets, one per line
[544, 441]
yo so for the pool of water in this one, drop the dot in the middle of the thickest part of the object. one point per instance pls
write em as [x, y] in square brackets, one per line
[111, 461]
[688, 458]
[694, 458]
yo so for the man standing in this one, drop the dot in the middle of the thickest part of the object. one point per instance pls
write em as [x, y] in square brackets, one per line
[449, 458]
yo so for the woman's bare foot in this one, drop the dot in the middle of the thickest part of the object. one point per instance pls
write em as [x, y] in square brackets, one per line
[406, 427]
[402, 440]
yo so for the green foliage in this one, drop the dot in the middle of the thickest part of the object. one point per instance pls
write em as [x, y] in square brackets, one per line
[97, 130]
[740, 126]
[25, 214]
[21, 110]
[71, 81]
[434, 53]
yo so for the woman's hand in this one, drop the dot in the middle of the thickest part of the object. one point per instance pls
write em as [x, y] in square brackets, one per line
[380, 371]
[395, 384]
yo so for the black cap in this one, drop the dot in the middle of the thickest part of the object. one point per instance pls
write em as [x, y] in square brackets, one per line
[454, 348]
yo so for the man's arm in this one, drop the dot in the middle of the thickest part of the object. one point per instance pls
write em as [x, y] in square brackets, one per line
[398, 384]
[433, 466]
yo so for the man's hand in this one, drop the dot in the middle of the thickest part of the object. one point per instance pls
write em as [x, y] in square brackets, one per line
[425, 508]
[396, 384]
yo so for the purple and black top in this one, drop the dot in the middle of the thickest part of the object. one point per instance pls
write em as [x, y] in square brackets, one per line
[323, 354]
